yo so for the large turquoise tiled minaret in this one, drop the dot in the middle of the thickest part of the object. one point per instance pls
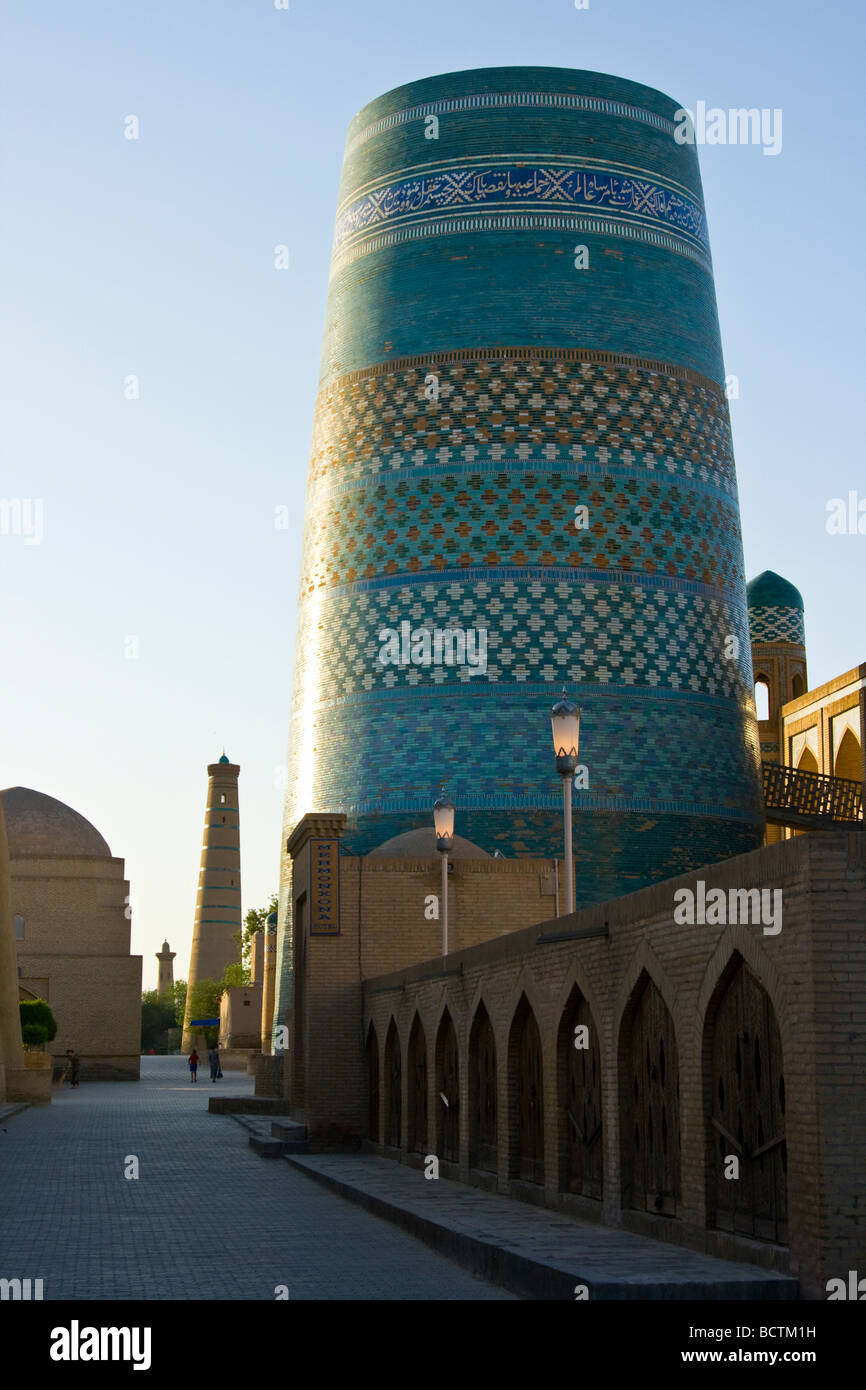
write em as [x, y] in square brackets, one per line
[482, 381]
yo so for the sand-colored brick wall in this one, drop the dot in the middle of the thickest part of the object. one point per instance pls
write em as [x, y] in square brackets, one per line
[71, 904]
[241, 1017]
[814, 971]
[75, 953]
[382, 927]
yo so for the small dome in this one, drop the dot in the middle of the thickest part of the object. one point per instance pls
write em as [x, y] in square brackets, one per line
[223, 759]
[775, 611]
[37, 824]
[769, 590]
[272, 919]
[421, 844]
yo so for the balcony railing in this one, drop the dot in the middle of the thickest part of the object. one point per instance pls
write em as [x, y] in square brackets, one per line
[809, 799]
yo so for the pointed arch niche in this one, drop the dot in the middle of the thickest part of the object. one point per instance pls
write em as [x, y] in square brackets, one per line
[744, 1074]
[526, 1096]
[650, 1103]
[483, 1142]
[581, 1148]
[393, 1088]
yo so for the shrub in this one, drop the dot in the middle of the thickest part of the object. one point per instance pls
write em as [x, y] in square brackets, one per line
[37, 1012]
[34, 1034]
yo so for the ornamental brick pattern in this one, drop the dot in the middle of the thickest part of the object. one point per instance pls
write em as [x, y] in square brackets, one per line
[507, 444]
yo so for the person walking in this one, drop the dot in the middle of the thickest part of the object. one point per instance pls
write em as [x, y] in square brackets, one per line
[214, 1059]
[193, 1065]
[73, 1067]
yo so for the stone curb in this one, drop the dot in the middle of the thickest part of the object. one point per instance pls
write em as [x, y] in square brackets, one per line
[533, 1277]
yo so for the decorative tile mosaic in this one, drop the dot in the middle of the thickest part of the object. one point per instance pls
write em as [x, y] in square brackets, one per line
[540, 626]
[521, 186]
[523, 518]
[777, 625]
[646, 750]
[495, 410]
[478, 390]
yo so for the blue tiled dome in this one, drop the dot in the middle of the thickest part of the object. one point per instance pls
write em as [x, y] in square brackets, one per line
[769, 590]
[775, 610]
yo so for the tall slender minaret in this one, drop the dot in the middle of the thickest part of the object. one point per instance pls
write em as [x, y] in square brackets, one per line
[165, 982]
[218, 903]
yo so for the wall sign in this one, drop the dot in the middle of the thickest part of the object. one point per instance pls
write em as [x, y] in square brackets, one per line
[325, 887]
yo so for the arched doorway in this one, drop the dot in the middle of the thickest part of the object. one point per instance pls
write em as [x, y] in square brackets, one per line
[849, 761]
[393, 1088]
[798, 686]
[747, 1114]
[762, 698]
[580, 1128]
[807, 762]
[526, 1091]
[651, 1112]
[447, 1092]
[373, 1084]
[417, 1065]
[483, 1143]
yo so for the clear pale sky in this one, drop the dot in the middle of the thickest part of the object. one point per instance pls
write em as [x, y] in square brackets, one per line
[155, 257]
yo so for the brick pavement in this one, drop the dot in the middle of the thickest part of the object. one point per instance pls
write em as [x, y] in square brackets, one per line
[533, 1250]
[206, 1218]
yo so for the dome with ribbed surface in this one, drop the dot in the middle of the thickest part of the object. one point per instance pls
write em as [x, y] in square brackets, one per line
[37, 824]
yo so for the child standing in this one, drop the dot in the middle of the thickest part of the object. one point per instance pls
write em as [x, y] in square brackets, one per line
[193, 1065]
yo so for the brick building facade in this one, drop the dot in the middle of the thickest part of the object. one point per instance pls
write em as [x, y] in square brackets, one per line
[627, 970]
[71, 917]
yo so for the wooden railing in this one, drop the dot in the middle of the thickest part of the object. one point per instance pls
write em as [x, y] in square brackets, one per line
[792, 796]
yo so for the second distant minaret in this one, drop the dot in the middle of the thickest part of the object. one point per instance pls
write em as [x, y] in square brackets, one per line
[218, 902]
[165, 984]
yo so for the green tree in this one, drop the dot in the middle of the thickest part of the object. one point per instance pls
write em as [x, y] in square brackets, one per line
[233, 977]
[255, 920]
[204, 999]
[178, 996]
[38, 1024]
[157, 1016]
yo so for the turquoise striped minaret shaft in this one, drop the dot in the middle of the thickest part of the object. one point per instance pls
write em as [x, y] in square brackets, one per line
[522, 437]
[218, 900]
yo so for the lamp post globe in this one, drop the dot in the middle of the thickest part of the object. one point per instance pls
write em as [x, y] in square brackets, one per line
[565, 722]
[443, 822]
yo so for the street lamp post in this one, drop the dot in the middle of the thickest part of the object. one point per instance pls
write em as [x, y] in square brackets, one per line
[443, 820]
[565, 719]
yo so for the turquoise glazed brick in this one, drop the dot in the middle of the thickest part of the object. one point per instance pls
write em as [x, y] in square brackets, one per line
[477, 392]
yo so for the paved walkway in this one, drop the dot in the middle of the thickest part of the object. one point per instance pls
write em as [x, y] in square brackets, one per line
[206, 1218]
[537, 1252]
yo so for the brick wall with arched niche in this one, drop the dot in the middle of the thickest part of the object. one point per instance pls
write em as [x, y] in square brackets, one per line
[612, 1064]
